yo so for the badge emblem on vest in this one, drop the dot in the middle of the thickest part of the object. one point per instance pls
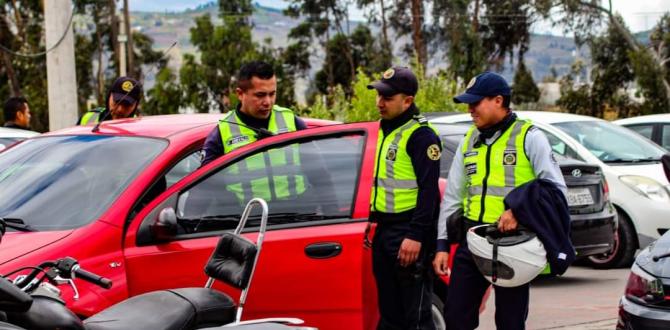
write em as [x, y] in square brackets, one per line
[392, 152]
[509, 157]
[237, 139]
[434, 152]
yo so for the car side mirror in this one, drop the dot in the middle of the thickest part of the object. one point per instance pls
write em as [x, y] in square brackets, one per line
[665, 159]
[165, 226]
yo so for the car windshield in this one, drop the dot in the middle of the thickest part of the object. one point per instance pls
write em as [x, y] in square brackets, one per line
[612, 143]
[65, 182]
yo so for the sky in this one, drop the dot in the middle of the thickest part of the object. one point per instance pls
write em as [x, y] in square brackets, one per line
[640, 15]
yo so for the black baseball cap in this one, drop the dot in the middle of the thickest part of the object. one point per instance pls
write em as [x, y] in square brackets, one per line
[396, 80]
[484, 85]
[126, 90]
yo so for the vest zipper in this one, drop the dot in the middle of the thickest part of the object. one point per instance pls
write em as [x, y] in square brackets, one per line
[485, 183]
[379, 153]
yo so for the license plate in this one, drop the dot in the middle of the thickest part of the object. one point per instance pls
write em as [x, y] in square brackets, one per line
[579, 197]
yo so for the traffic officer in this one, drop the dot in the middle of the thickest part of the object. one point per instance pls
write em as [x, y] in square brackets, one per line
[255, 117]
[498, 153]
[123, 99]
[404, 202]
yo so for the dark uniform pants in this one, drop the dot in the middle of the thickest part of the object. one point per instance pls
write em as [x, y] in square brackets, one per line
[404, 293]
[467, 287]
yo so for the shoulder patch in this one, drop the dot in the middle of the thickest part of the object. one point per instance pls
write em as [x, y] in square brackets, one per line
[434, 152]
[421, 119]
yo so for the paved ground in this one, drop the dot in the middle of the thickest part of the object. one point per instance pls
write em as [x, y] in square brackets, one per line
[581, 299]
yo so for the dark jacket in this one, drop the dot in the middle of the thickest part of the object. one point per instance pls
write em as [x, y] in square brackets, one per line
[541, 207]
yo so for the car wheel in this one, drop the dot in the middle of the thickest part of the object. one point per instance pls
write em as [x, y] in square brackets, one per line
[623, 251]
[437, 311]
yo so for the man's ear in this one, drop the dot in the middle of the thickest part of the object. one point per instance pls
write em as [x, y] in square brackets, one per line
[239, 92]
[408, 101]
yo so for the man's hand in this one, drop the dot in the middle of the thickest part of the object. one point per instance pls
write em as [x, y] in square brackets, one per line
[409, 252]
[507, 222]
[440, 263]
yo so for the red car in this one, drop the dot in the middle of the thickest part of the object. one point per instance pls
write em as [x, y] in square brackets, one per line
[123, 201]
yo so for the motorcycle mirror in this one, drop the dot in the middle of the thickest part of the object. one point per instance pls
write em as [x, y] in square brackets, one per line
[165, 226]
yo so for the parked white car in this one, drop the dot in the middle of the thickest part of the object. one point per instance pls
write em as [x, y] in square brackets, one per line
[631, 164]
[653, 127]
[9, 136]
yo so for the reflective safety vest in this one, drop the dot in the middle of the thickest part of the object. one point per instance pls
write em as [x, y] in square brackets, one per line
[272, 175]
[493, 171]
[395, 189]
[92, 116]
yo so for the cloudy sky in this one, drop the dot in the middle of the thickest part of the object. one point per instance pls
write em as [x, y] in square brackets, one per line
[639, 14]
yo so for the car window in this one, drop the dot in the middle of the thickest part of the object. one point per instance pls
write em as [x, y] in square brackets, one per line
[65, 182]
[307, 181]
[612, 143]
[645, 130]
[6, 142]
[184, 167]
[665, 137]
[559, 147]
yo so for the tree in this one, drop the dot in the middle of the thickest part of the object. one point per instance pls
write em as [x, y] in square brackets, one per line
[413, 12]
[166, 95]
[524, 89]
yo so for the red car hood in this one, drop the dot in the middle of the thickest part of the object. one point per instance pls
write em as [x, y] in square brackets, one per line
[18, 244]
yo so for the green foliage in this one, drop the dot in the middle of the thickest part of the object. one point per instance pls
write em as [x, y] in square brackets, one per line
[649, 78]
[165, 97]
[524, 89]
[363, 100]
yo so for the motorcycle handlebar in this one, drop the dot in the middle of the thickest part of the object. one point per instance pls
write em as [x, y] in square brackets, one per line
[91, 277]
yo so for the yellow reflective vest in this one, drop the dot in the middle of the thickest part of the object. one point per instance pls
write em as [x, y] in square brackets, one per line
[271, 178]
[395, 189]
[493, 171]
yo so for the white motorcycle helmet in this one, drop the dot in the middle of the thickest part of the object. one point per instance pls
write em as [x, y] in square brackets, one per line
[506, 259]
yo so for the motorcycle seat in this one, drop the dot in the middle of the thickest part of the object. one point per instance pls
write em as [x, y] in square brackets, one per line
[176, 309]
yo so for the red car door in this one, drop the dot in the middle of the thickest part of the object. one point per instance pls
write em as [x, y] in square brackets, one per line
[312, 265]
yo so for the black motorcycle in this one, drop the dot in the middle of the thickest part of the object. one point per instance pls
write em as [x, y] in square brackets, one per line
[33, 301]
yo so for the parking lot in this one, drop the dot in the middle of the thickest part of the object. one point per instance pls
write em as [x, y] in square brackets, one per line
[583, 298]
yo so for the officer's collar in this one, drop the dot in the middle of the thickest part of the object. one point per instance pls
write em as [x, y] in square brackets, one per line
[391, 124]
[501, 126]
[251, 121]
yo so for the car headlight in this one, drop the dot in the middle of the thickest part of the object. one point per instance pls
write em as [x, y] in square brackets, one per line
[647, 187]
[643, 287]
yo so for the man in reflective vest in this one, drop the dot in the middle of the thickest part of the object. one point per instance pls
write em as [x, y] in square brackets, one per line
[499, 153]
[255, 117]
[123, 100]
[403, 203]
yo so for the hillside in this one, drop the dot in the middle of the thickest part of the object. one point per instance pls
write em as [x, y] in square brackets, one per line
[545, 51]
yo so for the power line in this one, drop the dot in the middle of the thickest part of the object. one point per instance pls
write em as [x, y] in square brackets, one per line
[34, 55]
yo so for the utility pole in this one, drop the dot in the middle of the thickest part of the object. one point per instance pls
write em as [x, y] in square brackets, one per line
[61, 73]
[129, 44]
[122, 45]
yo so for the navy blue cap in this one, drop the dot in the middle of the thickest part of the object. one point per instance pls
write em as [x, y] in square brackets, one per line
[126, 90]
[396, 80]
[483, 85]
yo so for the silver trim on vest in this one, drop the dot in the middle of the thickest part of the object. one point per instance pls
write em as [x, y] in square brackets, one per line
[389, 195]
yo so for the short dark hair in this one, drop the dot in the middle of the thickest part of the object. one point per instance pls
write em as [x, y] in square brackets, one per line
[14, 105]
[258, 69]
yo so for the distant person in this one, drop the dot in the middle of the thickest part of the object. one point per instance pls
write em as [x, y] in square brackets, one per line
[17, 113]
[123, 99]
[256, 113]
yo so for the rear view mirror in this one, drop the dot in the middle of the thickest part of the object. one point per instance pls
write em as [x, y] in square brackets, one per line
[165, 226]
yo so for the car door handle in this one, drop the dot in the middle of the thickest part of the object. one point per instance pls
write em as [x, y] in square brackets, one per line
[323, 250]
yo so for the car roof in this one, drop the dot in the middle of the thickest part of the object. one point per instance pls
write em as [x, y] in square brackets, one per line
[7, 132]
[447, 129]
[657, 118]
[162, 126]
[154, 126]
[536, 116]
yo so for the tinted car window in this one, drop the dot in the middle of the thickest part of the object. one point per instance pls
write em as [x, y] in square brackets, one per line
[559, 147]
[328, 169]
[665, 137]
[185, 166]
[645, 130]
[612, 143]
[64, 182]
